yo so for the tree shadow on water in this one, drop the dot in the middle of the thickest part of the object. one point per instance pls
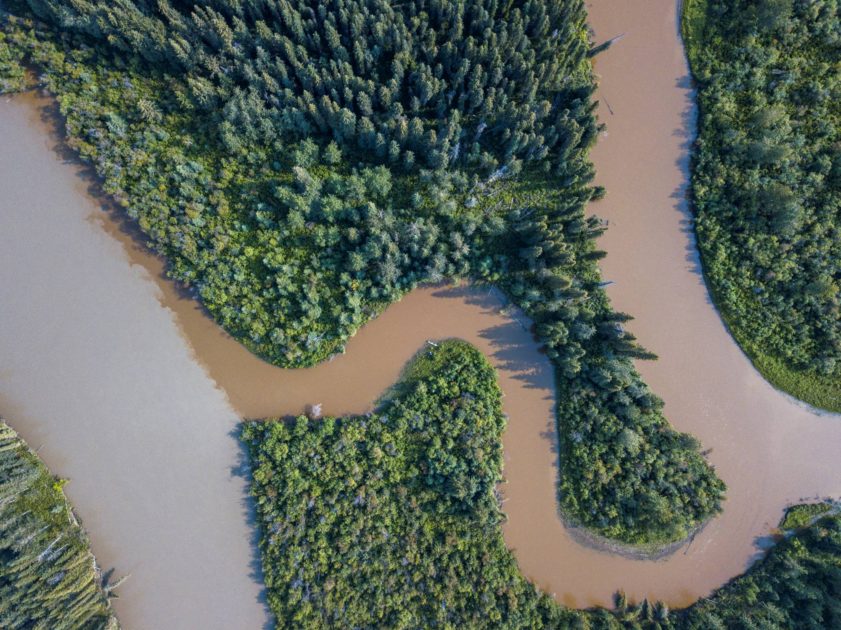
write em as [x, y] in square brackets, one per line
[242, 471]
[516, 353]
[116, 223]
[687, 131]
[486, 296]
[522, 361]
[515, 349]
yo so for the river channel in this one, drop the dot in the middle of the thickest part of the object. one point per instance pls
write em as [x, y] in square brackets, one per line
[129, 390]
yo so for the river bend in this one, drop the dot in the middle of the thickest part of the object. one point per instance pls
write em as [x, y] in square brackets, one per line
[128, 389]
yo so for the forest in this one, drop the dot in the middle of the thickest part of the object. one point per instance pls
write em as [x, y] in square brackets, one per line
[393, 520]
[766, 182]
[302, 164]
[48, 576]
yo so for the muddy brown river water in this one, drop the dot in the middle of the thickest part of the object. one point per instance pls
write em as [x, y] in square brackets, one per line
[128, 389]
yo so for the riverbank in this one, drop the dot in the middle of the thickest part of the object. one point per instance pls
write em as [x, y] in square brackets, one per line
[48, 576]
[401, 522]
[544, 549]
[814, 389]
[292, 290]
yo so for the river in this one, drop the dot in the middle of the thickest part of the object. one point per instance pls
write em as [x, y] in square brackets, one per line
[128, 389]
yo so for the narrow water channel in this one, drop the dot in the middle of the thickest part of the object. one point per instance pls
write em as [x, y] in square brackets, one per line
[133, 393]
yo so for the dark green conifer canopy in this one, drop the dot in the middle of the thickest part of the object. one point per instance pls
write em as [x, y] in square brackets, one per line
[430, 82]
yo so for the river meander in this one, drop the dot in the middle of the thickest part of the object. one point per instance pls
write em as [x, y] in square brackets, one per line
[134, 394]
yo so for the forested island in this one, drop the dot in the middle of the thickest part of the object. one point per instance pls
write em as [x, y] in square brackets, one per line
[392, 520]
[302, 164]
[766, 182]
[48, 576]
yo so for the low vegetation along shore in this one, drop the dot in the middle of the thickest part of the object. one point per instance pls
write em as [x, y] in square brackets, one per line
[766, 182]
[301, 165]
[392, 520]
[48, 576]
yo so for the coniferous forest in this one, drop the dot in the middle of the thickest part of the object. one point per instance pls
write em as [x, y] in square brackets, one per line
[48, 576]
[766, 182]
[391, 520]
[303, 164]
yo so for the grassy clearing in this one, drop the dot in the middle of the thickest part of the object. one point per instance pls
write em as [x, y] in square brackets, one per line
[817, 390]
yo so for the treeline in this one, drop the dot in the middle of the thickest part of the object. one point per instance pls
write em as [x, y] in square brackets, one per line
[293, 243]
[391, 520]
[48, 577]
[766, 182]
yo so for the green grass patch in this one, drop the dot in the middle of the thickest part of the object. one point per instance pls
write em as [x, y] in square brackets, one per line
[692, 20]
[798, 516]
[815, 389]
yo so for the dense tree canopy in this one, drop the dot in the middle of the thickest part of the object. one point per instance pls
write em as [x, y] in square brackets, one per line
[477, 84]
[767, 181]
[293, 238]
[48, 577]
[391, 520]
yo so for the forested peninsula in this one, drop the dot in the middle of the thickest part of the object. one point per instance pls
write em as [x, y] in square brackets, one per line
[48, 576]
[391, 520]
[301, 165]
[766, 182]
